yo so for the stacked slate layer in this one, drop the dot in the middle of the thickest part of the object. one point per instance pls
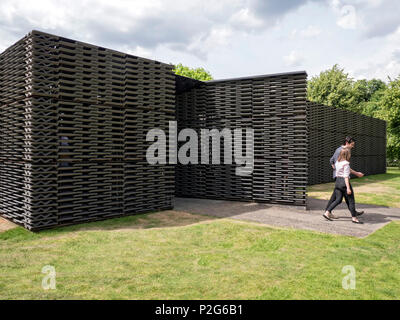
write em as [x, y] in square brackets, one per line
[328, 126]
[73, 125]
[275, 107]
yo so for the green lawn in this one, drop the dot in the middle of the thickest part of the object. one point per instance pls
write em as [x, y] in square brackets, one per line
[174, 255]
[379, 189]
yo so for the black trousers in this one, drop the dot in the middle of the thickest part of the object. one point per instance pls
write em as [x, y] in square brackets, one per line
[333, 198]
[338, 194]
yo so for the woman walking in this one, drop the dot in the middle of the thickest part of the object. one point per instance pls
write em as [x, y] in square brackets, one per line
[342, 186]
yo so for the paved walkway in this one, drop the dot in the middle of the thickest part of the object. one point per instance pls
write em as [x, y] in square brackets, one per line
[6, 225]
[375, 217]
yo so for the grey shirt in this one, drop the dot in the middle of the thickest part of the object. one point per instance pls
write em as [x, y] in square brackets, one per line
[334, 159]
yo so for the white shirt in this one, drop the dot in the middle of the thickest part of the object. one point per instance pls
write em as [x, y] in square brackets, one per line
[342, 169]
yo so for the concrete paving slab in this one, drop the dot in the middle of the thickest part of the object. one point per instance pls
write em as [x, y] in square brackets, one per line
[374, 218]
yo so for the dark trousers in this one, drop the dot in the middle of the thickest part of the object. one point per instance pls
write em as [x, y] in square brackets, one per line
[333, 198]
[338, 194]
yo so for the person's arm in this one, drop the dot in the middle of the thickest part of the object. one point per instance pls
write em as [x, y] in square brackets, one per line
[346, 180]
[346, 177]
[356, 173]
[333, 159]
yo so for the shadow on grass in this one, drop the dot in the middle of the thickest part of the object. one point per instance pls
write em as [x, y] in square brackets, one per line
[159, 219]
[187, 211]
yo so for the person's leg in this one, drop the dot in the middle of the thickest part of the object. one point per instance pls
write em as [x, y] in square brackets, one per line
[347, 199]
[331, 200]
[339, 189]
[352, 205]
[338, 200]
[358, 213]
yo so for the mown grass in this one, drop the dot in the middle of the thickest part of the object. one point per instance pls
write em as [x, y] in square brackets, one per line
[380, 189]
[146, 257]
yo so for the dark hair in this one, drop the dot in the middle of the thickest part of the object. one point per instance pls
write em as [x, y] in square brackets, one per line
[349, 140]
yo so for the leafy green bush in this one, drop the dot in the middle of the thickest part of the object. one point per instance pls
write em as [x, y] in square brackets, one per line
[194, 73]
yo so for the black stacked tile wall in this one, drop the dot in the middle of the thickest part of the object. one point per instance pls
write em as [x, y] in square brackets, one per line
[274, 106]
[73, 124]
[293, 138]
[328, 127]
[74, 119]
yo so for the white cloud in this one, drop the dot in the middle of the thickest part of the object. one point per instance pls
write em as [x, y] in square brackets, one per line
[224, 35]
[216, 38]
[246, 19]
[179, 24]
[396, 55]
[309, 32]
[380, 70]
[140, 52]
[293, 59]
[384, 62]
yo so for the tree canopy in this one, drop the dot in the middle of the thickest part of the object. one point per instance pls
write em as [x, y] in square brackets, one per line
[194, 73]
[334, 87]
[389, 109]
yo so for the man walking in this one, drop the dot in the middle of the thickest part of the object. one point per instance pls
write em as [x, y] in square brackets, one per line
[349, 142]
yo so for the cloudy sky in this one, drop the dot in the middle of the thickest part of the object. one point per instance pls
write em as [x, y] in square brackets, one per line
[230, 38]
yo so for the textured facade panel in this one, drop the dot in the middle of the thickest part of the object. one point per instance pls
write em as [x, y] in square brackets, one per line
[74, 119]
[275, 107]
[328, 126]
[293, 138]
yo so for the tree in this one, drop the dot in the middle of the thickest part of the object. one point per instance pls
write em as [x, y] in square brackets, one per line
[389, 110]
[368, 94]
[373, 97]
[333, 87]
[194, 73]
[364, 90]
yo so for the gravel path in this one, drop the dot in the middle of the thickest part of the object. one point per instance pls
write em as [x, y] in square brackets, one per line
[374, 218]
